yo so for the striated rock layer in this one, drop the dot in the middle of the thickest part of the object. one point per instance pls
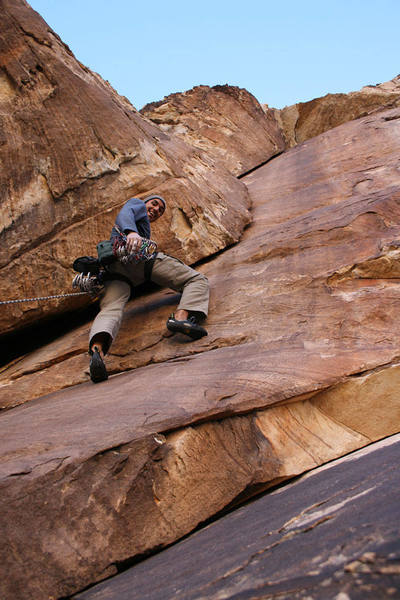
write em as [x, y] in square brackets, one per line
[100, 488]
[72, 151]
[301, 365]
[305, 120]
[226, 121]
[317, 270]
[331, 534]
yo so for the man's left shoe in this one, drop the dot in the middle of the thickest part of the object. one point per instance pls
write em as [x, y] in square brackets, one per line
[189, 327]
[97, 368]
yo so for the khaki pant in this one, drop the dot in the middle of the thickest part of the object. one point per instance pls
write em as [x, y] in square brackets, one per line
[167, 272]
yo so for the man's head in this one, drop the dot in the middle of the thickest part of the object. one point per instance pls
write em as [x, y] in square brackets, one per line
[155, 206]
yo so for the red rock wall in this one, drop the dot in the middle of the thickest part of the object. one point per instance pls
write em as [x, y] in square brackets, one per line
[226, 121]
[301, 365]
[305, 120]
[72, 152]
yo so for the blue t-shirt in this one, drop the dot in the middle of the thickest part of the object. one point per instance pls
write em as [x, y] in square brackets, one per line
[132, 217]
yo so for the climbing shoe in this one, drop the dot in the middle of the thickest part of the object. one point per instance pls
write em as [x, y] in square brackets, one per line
[97, 368]
[189, 327]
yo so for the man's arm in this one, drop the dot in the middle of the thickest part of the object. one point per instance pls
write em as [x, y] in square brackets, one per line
[134, 210]
[130, 213]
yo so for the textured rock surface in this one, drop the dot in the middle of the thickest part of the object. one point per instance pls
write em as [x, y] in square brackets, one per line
[302, 121]
[332, 534]
[301, 365]
[72, 152]
[315, 275]
[101, 488]
[226, 121]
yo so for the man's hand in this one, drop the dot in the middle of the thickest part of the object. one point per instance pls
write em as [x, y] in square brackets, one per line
[133, 242]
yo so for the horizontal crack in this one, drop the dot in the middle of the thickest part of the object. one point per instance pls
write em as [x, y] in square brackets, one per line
[45, 365]
[393, 362]
[265, 162]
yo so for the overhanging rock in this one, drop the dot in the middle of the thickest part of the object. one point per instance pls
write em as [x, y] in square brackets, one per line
[225, 121]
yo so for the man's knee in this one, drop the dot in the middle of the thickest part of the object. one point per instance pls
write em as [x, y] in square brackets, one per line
[116, 294]
[200, 281]
[203, 278]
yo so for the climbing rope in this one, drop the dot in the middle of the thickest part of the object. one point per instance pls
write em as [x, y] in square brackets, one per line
[87, 283]
[41, 298]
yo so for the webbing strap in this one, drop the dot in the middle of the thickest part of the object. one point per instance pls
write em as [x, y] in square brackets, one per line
[148, 267]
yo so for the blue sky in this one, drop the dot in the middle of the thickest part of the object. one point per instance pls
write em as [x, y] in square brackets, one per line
[282, 53]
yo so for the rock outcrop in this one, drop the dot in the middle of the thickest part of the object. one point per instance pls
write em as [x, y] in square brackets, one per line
[325, 237]
[305, 120]
[331, 534]
[226, 121]
[72, 151]
[301, 366]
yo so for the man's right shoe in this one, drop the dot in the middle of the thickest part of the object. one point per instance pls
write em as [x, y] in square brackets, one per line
[189, 327]
[97, 368]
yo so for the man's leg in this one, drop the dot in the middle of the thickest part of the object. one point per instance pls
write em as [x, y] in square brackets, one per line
[106, 325]
[171, 272]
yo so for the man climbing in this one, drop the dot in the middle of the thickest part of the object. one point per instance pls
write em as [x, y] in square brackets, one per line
[133, 221]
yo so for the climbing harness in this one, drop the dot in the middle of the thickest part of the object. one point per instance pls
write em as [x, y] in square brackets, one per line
[93, 273]
[92, 281]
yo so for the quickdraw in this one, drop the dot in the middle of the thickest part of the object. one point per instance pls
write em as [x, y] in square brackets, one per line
[92, 284]
[88, 283]
[146, 251]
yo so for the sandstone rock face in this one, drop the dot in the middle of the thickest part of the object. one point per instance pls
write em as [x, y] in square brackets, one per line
[320, 257]
[100, 488]
[300, 366]
[302, 121]
[72, 152]
[226, 121]
[331, 534]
